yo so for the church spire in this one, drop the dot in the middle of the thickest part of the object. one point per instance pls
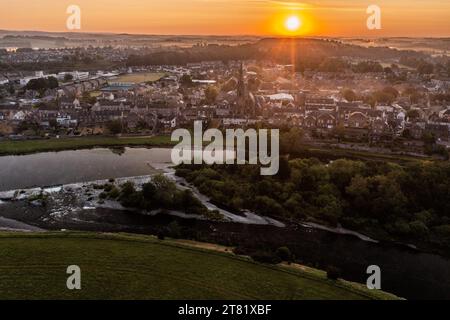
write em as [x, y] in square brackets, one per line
[241, 83]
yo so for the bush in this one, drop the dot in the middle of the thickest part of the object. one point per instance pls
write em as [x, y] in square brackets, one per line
[284, 254]
[174, 230]
[443, 231]
[418, 228]
[127, 189]
[333, 273]
[265, 257]
[114, 126]
[114, 193]
[161, 234]
[148, 190]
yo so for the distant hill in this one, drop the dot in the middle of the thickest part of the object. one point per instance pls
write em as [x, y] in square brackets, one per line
[42, 39]
[280, 50]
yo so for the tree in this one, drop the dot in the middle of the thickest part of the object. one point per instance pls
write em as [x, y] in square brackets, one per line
[268, 206]
[11, 89]
[333, 65]
[42, 84]
[68, 77]
[291, 141]
[387, 95]
[349, 95]
[425, 68]
[88, 98]
[342, 172]
[418, 229]
[148, 190]
[211, 94]
[339, 132]
[391, 91]
[127, 189]
[284, 254]
[284, 171]
[230, 85]
[115, 126]
[333, 273]
[368, 66]
[186, 80]
[429, 138]
[413, 114]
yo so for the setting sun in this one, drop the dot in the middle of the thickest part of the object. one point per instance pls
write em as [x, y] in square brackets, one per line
[293, 23]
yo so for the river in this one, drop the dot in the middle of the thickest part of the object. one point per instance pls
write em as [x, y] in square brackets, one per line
[55, 168]
[405, 272]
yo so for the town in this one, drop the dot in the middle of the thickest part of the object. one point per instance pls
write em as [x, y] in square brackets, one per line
[199, 152]
[347, 102]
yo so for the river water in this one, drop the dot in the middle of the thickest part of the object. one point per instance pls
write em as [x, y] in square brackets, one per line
[55, 168]
[405, 272]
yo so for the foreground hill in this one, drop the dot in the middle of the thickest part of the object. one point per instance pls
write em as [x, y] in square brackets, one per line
[33, 266]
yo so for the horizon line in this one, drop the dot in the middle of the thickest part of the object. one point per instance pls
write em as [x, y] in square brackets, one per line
[225, 35]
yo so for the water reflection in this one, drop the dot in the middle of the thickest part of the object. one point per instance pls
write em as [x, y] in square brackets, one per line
[54, 168]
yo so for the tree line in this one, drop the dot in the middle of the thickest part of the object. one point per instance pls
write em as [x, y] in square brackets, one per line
[389, 201]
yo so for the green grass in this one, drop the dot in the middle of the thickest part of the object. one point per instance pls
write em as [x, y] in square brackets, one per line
[33, 266]
[47, 145]
[139, 77]
[336, 153]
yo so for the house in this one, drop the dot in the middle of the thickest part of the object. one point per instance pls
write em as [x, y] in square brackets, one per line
[320, 103]
[416, 129]
[379, 127]
[326, 120]
[64, 120]
[357, 120]
[19, 116]
[440, 130]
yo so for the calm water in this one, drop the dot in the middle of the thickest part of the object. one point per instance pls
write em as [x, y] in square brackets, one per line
[54, 168]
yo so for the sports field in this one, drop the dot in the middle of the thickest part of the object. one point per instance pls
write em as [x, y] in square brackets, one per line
[139, 77]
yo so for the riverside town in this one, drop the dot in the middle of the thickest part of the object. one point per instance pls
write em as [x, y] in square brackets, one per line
[189, 154]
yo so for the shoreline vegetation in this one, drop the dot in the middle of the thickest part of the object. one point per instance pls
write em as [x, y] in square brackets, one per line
[304, 150]
[24, 147]
[229, 276]
[383, 200]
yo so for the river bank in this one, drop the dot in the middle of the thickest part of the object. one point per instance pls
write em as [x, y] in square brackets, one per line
[319, 150]
[25, 147]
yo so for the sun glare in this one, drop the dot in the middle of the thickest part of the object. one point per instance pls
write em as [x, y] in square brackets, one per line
[293, 23]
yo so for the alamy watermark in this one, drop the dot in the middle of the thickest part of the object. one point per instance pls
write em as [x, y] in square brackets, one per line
[228, 149]
[74, 280]
[374, 20]
[374, 280]
[73, 22]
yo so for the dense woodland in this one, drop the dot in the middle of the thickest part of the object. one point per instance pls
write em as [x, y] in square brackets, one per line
[386, 200]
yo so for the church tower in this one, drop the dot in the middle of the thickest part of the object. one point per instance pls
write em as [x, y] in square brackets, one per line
[241, 87]
[245, 103]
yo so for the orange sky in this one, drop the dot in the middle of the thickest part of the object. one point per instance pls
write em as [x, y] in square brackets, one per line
[230, 17]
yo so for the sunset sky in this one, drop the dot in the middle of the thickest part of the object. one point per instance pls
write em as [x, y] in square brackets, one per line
[231, 17]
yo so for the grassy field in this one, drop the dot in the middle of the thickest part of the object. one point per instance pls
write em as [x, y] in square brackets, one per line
[322, 152]
[33, 266]
[34, 146]
[139, 77]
